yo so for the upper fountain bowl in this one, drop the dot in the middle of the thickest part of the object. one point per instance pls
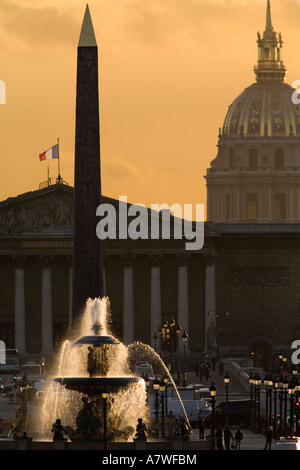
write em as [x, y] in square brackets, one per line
[95, 340]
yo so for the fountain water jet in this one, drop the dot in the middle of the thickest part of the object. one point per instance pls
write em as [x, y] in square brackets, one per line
[143, 350]
[90, 365]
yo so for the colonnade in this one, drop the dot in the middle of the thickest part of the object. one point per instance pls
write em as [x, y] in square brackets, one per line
[128, 298]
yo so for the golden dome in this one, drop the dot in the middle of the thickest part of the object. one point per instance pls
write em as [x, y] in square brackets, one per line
[264, 109]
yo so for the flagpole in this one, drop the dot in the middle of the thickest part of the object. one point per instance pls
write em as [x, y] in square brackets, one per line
[58, 161]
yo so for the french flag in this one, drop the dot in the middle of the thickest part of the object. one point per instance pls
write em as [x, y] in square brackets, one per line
[50, 154]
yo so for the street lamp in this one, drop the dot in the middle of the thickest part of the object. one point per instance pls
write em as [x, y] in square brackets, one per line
[257, 382]
[24, 394]
[184, 339]
[104, 398]
[268, 387]
[168, 332]
[226, 382]
[291, 391]
[280, 383]
[156, 386]
[275, 387]
[283, 359]
[162, 388]
[252, 403]
[213, 393]
[166, 381]
[177, 331]
[285, 385]
[296, 404]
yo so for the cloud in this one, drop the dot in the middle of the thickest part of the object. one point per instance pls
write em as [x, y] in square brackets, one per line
[36, 27]
[119, 167]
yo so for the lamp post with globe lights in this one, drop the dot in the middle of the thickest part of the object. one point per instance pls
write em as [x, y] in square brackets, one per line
[226, 382]
[104, 398]
[291, 391]
[156, 386]
[213, 394]
[184, 340]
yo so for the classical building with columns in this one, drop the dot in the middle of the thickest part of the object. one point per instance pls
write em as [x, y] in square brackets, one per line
[146, 280]
[236, 296]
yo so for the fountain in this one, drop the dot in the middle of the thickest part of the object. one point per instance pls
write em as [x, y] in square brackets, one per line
[93, 364]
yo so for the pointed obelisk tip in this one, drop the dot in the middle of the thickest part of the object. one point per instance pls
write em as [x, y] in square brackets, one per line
[87, 35]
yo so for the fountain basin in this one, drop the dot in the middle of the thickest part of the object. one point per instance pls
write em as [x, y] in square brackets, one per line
[95, 340]
[93, 386]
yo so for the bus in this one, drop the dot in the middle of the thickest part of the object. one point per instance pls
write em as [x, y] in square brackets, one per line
[11, 365]
[32, 370]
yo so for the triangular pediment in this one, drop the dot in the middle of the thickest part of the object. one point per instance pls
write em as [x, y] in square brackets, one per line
[49, 212]
[46, 211]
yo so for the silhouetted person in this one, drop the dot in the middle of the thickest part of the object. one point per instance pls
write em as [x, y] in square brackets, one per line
[184, 430]
[238, 437]
[141, 430]
[201, 428]
[219, 437]
[227, 438]
[269, 436]
[58, 429]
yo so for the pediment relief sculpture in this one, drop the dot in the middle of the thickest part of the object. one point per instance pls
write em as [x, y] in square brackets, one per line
[37, 216]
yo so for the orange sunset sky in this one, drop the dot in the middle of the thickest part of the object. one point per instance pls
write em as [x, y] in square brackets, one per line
[168, 70]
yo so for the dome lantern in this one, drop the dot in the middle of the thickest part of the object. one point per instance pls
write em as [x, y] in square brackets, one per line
[270, 64]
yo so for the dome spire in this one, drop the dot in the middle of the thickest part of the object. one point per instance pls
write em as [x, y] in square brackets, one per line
[270, 64]
[269, 26]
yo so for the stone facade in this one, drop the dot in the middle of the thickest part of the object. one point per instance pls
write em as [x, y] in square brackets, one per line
[236, 295]
[146, 280]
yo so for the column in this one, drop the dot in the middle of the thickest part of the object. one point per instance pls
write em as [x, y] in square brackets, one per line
[210, 301]
[183, 297]
[20, 332]
[270, 204]
[128, 306]
[47, 325]
[70, 261]
[155, 301]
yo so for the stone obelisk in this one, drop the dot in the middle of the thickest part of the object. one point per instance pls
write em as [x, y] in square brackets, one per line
[87, 251]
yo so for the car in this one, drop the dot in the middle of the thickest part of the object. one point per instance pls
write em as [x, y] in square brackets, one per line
[192, 409]
[196, 386]
[287, 444]
[238, 413]
[39, 397]
[144, 370]
[201, 393]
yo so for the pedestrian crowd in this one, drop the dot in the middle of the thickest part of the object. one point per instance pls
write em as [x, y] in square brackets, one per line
[227, 439]
[209, 364]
